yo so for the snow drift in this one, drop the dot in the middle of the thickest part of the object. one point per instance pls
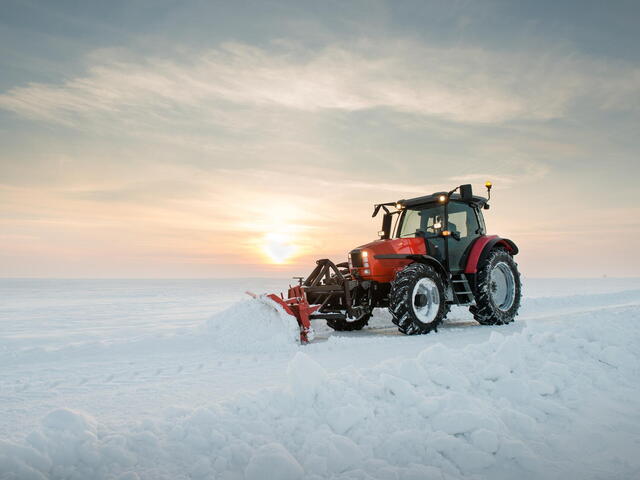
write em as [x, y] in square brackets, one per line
[253, 325]
[548, 402]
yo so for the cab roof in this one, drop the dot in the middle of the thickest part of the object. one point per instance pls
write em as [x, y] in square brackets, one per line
[476, 201]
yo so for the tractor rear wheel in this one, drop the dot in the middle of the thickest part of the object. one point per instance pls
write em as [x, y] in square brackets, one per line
[498, 289]
[416, 302]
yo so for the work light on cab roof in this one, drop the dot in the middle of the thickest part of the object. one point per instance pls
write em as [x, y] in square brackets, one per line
[433, 252]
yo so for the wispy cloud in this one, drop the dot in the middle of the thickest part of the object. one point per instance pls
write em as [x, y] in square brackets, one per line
[231, 83]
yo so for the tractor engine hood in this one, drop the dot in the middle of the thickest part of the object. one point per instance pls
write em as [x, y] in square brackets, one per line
[363, 264]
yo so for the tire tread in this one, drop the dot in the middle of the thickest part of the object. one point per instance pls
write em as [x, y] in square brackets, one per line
[400, 299]
[484, 311]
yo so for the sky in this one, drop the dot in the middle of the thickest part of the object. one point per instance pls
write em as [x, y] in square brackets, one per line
[154, 139]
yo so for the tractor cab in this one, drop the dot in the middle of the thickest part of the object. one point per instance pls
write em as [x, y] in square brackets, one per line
[443, 225]
[448, 224]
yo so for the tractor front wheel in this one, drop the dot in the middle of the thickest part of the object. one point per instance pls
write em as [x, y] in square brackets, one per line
[498, 289]
[416, 301]
[349, 324]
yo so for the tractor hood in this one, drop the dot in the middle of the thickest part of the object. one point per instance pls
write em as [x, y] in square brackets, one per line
[412, 245]
[363, 262]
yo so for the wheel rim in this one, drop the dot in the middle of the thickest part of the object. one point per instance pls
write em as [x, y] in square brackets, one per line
[503, 286]
[426, 300]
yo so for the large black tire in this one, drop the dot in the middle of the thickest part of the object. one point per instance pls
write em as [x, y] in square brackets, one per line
[498, 290]
[412, 311]
[348, 325]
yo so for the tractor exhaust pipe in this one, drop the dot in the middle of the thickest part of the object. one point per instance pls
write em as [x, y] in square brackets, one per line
[385, 233]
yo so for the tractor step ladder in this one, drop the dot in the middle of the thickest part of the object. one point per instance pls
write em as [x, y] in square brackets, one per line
[461, 289]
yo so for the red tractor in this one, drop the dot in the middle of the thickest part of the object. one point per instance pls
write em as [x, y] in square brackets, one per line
[435, 254]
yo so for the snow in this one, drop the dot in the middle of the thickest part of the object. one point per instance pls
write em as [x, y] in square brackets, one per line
[274, 461]
[252, 326]
[190, 380]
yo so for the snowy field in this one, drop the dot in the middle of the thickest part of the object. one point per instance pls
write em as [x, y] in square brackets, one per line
[190, 379]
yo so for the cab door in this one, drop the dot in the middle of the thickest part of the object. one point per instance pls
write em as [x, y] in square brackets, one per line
[431, 222]
[463, 222]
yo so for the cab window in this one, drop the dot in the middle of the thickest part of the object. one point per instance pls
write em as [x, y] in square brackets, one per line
[423, 220]
[463, 220]
[410, 223]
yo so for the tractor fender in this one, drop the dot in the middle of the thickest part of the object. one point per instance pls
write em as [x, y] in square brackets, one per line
[426, 259]
[481, 248]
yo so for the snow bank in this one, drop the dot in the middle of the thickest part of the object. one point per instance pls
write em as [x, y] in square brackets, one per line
[554, 305]
[549, 402]
[254, 325]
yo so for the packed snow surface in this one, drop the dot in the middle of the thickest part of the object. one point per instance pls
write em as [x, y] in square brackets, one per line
[188, 380]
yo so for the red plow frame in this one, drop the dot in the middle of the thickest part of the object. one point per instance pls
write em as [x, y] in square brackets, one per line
[297, 306]
[324, 294]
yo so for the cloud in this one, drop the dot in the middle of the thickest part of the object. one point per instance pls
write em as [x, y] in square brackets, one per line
[229, 86]
[214, 149]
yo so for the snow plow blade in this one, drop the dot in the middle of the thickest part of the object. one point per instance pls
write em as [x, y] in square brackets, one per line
[324, 295]
[297, 306]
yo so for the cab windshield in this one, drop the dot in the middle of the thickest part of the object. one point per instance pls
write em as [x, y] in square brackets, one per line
[421, 220]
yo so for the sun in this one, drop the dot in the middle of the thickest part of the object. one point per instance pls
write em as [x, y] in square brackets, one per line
[278, 247]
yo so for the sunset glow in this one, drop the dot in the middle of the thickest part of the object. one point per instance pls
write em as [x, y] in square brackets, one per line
[220, 151]
[278, 247]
